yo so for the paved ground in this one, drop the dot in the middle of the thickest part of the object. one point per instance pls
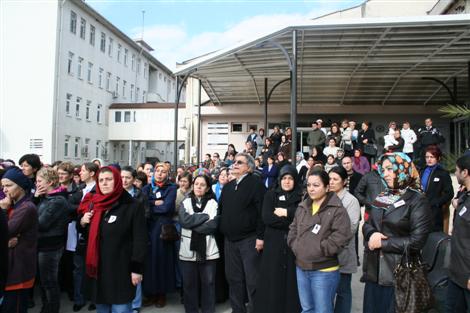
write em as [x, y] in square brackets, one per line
[174, 305]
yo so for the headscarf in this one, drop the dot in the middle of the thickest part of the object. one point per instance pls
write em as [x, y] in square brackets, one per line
[404, 178]
[156, 185]
[99, 203]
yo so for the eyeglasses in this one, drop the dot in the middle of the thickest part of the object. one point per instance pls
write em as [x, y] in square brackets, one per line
[239, 162]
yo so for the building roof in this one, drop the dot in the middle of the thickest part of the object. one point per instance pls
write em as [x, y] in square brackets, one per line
[100, 18]
[368, 61]
[146, 105]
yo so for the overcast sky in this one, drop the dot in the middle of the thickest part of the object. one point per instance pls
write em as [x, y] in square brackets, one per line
[179, 30]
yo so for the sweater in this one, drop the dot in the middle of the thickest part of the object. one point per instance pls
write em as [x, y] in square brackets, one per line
[240, 208]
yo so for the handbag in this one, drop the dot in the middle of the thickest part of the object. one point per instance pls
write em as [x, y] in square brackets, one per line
[370, 149]
[169, 233]
[412, 291]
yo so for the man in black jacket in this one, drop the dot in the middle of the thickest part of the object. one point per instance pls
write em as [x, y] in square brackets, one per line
[241, 223]
[427, 135]
[353, 176]
[458, 290]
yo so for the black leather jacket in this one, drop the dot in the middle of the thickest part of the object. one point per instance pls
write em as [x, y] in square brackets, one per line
[405, 223]
[368, 188]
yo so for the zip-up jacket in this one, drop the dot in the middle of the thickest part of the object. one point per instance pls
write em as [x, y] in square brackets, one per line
[317, 239]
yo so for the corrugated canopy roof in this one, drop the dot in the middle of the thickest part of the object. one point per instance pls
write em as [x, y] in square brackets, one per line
[361, 62]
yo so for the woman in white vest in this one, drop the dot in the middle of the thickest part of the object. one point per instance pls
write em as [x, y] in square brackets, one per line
[198, 252]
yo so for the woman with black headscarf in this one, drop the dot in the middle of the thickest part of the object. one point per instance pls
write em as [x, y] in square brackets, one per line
[198, 253]
[276, 291]
[399, 219]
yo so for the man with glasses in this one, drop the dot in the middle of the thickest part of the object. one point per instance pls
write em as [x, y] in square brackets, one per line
[241, 223]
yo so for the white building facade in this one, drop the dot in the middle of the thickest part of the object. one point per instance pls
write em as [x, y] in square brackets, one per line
[63, 65]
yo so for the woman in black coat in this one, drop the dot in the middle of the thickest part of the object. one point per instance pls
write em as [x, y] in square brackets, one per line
[437, 186]
[399, 218]
[117, 243]
[276, 290]
[366, 136]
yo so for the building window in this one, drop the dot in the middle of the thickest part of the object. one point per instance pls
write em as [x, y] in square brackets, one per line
[110, 47]
[103, 42]
[100, 78]
[77, 107]
[98, 113]
[66, 146]
[82, 28]
[134, 116]
[117, 116]
[160, 75]
[124, 84]
[122, 153]
[87, 110]
[73, 22]
[108, 79]
[97, 149]
[133, 62]
[145, 69]
[137, 93]
[237, 127]
[143, 96]
[132, 92]
[116, 89]
[126, 54]
[76, 147]
[68, 100]
[79, 68]
[70, 64]
[89, 72]
[127, 116]
[119, 53]
[92, 35]
[138, 65]
[86, 147]
[105, 152]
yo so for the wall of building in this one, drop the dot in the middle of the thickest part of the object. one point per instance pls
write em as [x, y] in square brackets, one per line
[27, 78]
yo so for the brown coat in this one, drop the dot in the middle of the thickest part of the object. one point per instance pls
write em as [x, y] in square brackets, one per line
[317, 239]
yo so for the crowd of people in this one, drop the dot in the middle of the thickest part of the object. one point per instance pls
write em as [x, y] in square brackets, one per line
[269, 233]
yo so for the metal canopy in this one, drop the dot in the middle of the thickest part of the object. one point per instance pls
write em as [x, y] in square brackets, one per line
[348, 62]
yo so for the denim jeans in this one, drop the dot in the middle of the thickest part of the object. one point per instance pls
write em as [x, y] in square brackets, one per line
[15, 301]
[48, 263]
[343, 302]
[137, 302]
[199, 279]
[78, 279]
[458, 298]
[114, 308]
[317, 290]
[378, 299]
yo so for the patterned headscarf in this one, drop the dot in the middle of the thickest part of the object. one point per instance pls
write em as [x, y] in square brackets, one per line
[406, 173]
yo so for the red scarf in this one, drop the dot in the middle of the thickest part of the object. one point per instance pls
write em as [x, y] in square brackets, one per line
[99, 203]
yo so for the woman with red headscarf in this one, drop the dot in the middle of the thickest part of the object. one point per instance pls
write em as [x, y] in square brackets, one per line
[117, 243]
[360, 162]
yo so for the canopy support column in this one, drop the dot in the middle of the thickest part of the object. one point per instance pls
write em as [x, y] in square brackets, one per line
[293, 96]
[198, 158]
[266, 99]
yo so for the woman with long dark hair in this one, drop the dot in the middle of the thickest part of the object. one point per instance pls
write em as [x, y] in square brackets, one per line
[198, 217]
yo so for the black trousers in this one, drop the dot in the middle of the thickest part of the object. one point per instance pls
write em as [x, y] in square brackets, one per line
[194, 275]
[241, 268]
[458, 298]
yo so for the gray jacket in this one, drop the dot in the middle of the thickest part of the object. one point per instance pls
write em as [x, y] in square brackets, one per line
[316, 138]
[347, 257]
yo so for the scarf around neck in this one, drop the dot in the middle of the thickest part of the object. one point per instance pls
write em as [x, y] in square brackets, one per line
[99, 203]
[198, 242]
